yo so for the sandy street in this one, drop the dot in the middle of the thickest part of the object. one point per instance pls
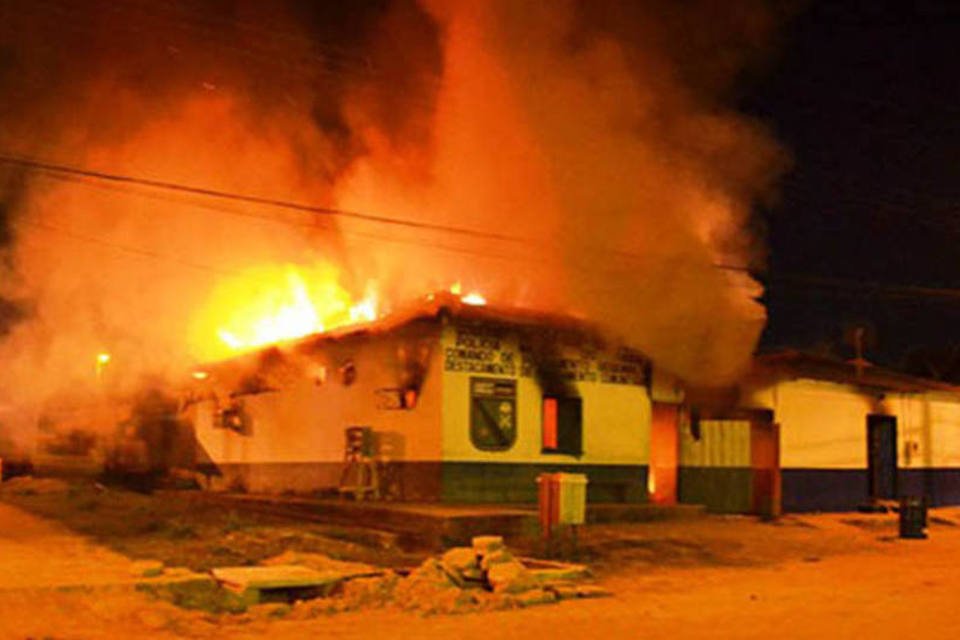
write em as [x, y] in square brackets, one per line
[858, 581]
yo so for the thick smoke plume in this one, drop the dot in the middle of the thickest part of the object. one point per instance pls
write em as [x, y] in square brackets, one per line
[591, 137]
[586, 131]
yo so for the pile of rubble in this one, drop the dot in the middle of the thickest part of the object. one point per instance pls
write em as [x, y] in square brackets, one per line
[485, 576]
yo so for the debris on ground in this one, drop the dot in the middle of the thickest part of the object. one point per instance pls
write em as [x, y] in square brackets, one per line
[486, 576]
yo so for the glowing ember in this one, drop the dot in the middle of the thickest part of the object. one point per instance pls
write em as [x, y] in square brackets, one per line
[274, 303]
[200, 375]
[474, 298]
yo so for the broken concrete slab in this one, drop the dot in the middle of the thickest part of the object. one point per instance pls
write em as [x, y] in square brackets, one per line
[510, 577]
[535, 597]
[462, 567]
[460, 558]
[253, 583]
[500, 556]
[563, 591]
[485, 545]
[571, 591]
[552, 571]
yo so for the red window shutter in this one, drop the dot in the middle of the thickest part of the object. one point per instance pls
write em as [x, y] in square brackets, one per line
[549, 423]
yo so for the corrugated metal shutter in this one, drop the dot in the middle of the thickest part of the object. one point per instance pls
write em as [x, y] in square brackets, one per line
[722, 443]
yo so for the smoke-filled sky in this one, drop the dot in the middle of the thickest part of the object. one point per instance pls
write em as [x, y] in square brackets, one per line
[596, 140]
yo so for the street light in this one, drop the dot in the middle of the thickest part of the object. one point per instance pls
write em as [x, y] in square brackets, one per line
[103, 359]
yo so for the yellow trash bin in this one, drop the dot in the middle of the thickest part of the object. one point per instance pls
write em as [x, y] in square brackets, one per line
[573, 497]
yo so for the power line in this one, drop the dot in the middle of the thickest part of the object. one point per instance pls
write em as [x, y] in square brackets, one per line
[865, 288]
[37, 165]
[68, 172]
[144, 253]
[435, 246]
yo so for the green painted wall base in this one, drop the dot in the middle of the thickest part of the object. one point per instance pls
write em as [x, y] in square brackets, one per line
[477, 482]
[453, 482]
[720, 489]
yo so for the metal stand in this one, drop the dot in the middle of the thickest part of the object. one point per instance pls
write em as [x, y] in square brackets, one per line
[360, 477]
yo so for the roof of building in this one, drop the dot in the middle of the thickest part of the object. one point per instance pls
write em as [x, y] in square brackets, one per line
[431, 307]
[436, 305]
[797, 364]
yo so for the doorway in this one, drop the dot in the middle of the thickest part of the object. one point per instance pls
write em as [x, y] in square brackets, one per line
[664, 453]
[765, 464]
[881, 457]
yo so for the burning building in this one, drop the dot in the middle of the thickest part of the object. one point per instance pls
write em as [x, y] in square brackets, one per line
[271, 171]
[464, 402]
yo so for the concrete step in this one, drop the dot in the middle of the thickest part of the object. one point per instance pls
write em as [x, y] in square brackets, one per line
[416, 525]
[438, 525]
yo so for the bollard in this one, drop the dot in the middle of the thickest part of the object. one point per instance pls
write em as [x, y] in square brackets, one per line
[913, 517]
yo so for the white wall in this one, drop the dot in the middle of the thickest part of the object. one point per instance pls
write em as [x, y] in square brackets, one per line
[928, 430]
[305, 422]
[823, 425]
[616, 417]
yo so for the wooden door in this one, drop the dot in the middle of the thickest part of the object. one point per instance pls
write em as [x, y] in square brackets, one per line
[765, 464]
[882, 457]
[664, 452]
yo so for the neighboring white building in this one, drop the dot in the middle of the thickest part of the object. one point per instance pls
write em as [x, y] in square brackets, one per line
[844, 437]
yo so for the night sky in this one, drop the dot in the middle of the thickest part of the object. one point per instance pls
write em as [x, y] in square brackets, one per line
[866, 97]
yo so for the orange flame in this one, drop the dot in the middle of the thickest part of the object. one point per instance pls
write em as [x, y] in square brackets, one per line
[274, 303]
[474, 298]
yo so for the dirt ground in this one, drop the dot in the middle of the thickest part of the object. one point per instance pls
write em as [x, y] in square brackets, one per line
[835, 576]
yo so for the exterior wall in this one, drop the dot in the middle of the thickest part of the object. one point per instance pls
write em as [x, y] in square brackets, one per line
[928, 451]
[296, 439]
[715, 469]
[615, 426]
[823, 431]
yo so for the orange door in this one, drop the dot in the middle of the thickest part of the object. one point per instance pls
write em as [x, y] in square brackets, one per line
[664, 447]
[765, 462]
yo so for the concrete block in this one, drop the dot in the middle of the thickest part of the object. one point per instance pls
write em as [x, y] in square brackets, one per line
[510, 577]
[563, 591]
[535, 597]
[484, 545]
[500, 556]
[460, 559]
